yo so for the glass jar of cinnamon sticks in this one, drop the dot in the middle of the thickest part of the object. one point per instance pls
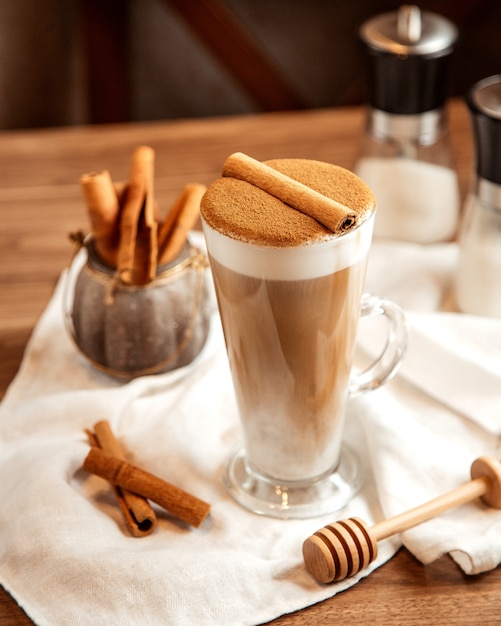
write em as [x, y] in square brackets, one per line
[137, 299]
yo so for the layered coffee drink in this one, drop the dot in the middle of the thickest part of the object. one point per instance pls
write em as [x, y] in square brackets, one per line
[289, 292]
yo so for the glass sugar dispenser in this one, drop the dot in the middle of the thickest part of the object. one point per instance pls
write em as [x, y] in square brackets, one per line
[405, 154]
[478, 279]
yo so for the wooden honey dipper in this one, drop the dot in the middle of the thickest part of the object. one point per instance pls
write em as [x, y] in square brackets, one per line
[342, 549]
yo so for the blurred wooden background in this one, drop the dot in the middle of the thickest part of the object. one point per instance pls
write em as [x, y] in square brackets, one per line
[73, 62]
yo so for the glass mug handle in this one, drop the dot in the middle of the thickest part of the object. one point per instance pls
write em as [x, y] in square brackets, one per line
[387, 363]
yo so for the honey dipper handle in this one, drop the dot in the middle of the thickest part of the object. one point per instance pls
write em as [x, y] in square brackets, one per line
[467, 492]
[485, 484]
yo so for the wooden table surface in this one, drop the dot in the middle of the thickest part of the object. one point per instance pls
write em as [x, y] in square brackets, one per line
[40, 203]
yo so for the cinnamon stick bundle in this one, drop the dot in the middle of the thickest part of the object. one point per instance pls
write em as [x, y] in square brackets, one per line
[138, 514]
[179, 503]
[332, 214]
[124, 221]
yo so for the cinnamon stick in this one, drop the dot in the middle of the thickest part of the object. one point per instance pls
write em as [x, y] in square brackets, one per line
[103, 209]
[136, 258]
[179, 503]
[181, 219]
[139, 517]
[150, 222]
[145, 261]
[332, 214]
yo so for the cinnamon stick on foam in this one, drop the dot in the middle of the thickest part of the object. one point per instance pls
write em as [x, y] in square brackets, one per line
[332, 214]
[139, 517]
[179, 503]
[137, 250]
[180, 220]
[103, 209]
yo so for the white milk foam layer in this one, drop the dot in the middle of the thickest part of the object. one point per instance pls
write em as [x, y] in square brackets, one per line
[298, 263]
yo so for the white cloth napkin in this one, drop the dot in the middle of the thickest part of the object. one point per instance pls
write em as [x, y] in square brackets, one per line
[65, 555]
[443, 409]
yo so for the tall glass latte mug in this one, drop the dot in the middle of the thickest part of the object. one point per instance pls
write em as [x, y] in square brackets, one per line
[290, 295]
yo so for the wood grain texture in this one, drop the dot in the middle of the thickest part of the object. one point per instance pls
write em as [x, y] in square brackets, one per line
[41, 202]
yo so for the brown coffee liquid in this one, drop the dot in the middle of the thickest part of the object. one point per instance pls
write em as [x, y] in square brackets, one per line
[290, 346]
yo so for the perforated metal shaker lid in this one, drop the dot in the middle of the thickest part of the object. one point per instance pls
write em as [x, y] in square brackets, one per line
[410, 31]
[409, 49]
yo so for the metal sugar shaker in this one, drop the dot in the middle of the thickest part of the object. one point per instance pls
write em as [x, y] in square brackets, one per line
[478, 279]
[405, 154]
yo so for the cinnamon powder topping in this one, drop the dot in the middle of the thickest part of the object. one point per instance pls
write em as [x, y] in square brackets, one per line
[243, 211]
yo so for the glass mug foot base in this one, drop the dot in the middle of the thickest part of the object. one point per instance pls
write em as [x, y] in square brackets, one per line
[296, 499]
